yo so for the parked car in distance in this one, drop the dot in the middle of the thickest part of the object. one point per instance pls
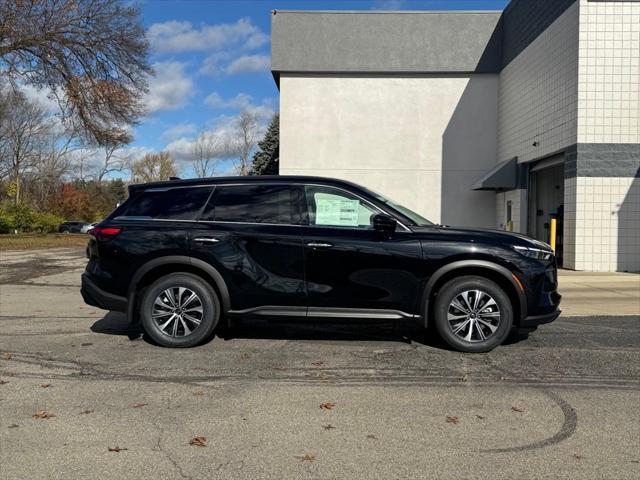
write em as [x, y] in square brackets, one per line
[75, 227]
[179, 256]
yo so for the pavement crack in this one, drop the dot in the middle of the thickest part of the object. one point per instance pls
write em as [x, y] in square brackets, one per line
[167, 455]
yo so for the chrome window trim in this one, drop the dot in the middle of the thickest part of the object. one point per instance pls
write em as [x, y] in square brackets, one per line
[234, 184]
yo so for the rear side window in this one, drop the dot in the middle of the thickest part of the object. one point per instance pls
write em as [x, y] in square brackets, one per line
[171, 204]
[251, 204]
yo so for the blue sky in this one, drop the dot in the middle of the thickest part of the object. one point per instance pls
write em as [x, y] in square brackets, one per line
[212, 60]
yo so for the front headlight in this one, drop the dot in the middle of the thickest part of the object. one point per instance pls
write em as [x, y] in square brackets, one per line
[535, 253]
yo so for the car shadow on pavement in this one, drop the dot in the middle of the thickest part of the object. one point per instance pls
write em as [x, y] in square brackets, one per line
[116, 323]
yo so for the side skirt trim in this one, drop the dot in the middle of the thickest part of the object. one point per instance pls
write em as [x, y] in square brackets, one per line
[327, 312]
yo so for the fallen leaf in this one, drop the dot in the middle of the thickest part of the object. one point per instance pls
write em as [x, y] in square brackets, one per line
[577, 457]
[13, 425]
[453, 419]
[328, 427]
[198, 441]
[7, 355]
[86, 412]
[139, 405]
[198, 393]
[307, 457]
[372, 437]
[117, 449]
[281, 369]
[43, 414]
[635, 461]
[480, 417]
[88, 344]
[464, 379]
[319, 363]
[327, 406]
[518, 409]
[45, 385]
[3, 382]
[244, 356]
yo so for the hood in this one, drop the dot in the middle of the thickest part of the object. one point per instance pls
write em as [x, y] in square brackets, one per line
[486, 235]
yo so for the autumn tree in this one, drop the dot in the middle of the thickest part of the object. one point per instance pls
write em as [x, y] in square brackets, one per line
[153, 167]
[266, 160]
[246, 134]
[92, 56]
[206, 152]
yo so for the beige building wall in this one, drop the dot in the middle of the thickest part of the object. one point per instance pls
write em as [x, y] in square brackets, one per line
[422, 140]
[603, 212]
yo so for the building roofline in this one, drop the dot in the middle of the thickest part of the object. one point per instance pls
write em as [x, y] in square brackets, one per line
[386, 12]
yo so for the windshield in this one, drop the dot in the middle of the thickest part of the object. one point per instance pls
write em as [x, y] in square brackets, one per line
[410, 214]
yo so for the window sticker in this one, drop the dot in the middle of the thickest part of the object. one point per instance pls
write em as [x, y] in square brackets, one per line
[335, 210]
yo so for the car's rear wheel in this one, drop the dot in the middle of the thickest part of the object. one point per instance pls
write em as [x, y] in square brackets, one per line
[473, 314]
[179, 310]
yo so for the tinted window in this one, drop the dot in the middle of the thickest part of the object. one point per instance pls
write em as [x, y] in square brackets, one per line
[172, 204]
[252, 203]
[336, 208]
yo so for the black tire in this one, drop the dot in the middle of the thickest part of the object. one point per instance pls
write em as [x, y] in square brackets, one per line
[210, 315]
[452, 290]
[65, 230]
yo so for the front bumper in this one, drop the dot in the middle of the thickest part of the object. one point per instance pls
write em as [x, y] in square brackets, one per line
[533, 321]
[96, 297]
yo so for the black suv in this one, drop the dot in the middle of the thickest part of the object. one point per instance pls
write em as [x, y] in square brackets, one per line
[180, 255]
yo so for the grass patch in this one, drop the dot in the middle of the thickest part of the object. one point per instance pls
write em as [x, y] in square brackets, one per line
[49, 240]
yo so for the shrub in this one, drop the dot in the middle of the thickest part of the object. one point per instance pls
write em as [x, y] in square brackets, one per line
[27, 220]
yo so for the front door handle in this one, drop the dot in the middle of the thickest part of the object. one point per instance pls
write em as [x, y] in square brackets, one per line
[206, 240]
[319, 245]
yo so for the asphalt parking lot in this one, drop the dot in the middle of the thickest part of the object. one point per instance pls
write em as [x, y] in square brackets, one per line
[297, 401]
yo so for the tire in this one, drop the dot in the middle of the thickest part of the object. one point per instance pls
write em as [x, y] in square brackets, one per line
[490, 321]
[161, 299]
[64, 230]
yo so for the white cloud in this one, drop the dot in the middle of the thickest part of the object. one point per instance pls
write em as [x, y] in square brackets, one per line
[179, 130]
[242, 101]
[170, 87]
[181, 36]
[42, 97]
[249, 64]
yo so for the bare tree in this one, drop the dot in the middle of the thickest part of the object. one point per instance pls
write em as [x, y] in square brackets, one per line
[207, 151]
[153, 167]
[113, 160]
[246, 136]
[91, 55]
[24, 133]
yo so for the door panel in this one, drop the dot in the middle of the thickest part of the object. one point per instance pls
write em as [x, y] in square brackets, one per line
[260, 264]
[361, 271]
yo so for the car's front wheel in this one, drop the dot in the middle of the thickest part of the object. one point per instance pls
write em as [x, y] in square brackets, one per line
[473, 314]
[179, 310]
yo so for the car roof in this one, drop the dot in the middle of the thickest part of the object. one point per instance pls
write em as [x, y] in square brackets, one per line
[255, 179]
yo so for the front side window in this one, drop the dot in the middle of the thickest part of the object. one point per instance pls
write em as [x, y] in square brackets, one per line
[251, 204]
[171, 204]
[330, 207]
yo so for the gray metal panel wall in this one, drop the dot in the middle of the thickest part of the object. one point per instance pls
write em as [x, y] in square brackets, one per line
[408, 42]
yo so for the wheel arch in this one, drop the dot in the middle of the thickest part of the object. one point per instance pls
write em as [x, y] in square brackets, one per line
[483, 268]
[158, 267]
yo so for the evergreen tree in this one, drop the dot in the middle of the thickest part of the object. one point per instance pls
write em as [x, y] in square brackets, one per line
[266, 159]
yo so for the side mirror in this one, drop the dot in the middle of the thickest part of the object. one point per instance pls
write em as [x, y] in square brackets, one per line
[384, 223]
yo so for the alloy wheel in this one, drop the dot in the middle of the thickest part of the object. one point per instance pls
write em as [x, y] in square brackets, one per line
[473, 316]
[177, 311]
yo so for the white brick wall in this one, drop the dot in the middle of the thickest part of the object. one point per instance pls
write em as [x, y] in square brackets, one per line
[602, 224]
[609, 72]
[539, 93]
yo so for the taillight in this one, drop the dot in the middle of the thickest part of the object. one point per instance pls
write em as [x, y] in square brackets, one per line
[104, 233]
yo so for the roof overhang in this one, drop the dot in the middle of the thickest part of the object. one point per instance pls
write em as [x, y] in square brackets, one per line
[504, 176]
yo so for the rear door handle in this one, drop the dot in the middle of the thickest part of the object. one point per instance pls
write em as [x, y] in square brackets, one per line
[206, 240]
[319, 245]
